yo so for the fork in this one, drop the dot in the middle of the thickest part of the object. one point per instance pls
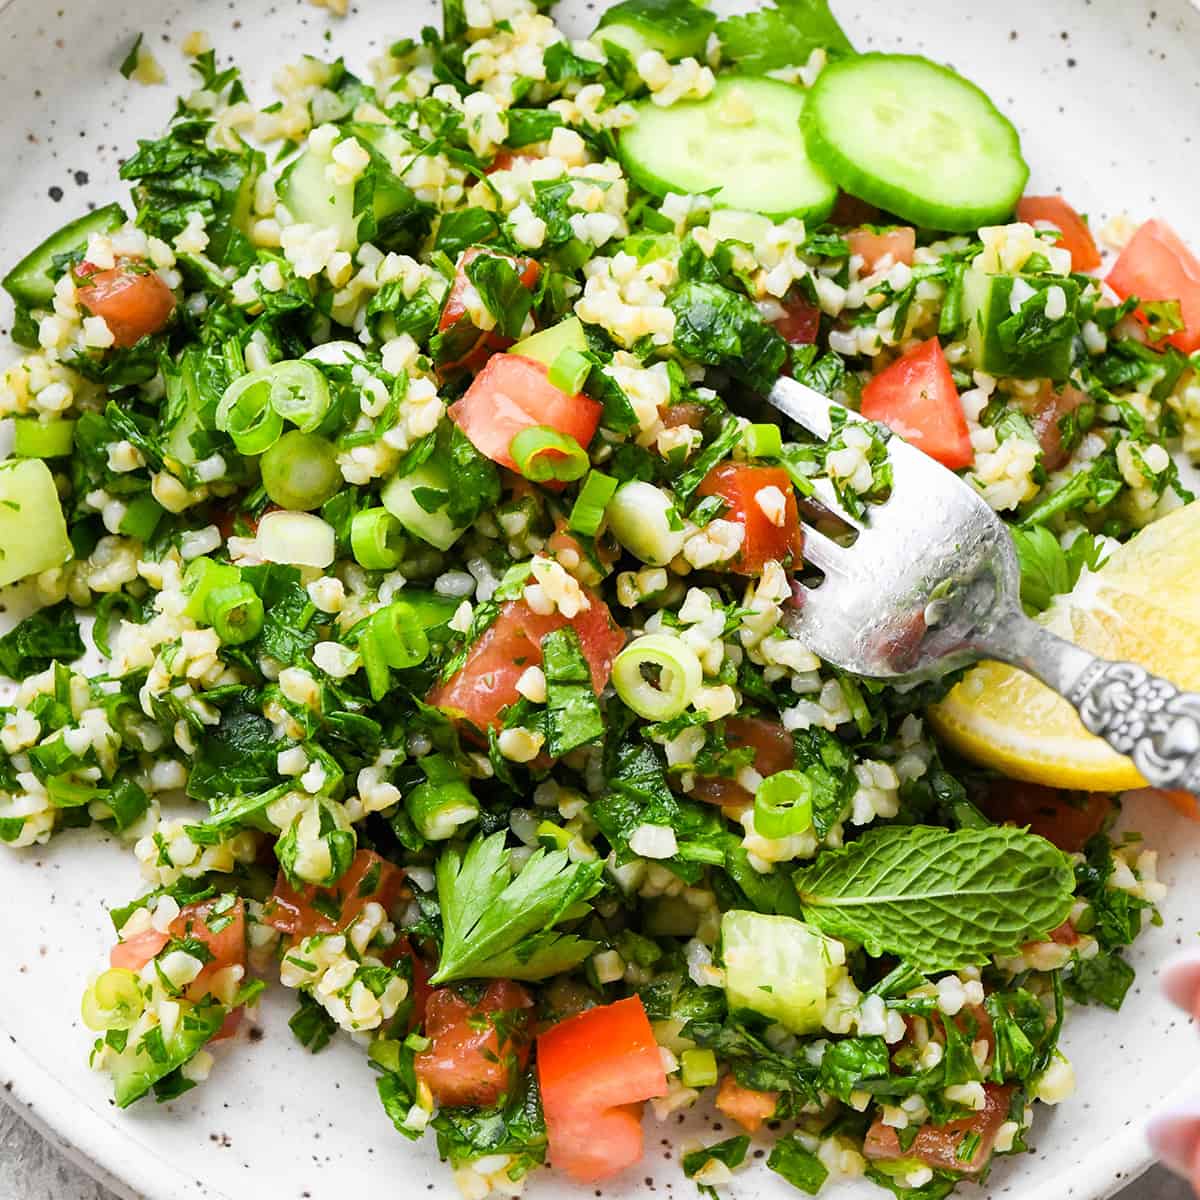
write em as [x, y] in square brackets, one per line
[931, 584]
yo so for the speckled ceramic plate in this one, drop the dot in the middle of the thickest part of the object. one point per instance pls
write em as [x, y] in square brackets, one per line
[1106, 94]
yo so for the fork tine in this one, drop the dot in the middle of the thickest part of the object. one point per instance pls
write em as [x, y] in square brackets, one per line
[823, 551]
[803, 405]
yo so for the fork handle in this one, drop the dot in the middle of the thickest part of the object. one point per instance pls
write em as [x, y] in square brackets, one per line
[1139, 714]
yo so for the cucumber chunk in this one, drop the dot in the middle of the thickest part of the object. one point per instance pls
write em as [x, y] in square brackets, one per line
[33, 533]
[1021, 344]
[744, 140]
[548, 344]
[776, 967]
[136, 1069]
[30, 282]
[915, 139]
[675, 28]
[402, 496]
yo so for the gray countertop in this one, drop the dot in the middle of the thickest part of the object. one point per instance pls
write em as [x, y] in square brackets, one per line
[31, 1169]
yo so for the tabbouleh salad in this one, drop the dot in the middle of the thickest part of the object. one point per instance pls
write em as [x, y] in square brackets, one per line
[406, 445]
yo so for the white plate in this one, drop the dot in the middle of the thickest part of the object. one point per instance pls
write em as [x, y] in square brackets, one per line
[1107, 100]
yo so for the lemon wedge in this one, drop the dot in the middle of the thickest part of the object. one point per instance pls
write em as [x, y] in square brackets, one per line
[1142, 606]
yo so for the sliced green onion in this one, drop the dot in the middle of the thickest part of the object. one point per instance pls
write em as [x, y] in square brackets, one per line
[444, 803]
[417, 1043]
[114, 1001]
[643, 518]
[377, 539]
[299, 539]
[42, 439]
[588, 510]
[235, 612]
[676, 671]
[762, 441]
[698, 1068]
[379, 678]
[202, 577]
[400, 636]
[553, 837]
[570, 370]
[299, 393]
[301, 471]
[141, 518]
[245, 413]
[783, 804]
[543, 454]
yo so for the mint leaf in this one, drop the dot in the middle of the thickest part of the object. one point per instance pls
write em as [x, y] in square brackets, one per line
[939, 899]
[499, 924]
[781, 37]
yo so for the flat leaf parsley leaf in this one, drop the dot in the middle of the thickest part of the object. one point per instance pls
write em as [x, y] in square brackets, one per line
[783, 36]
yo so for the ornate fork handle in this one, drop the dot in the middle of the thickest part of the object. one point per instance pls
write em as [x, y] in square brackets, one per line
[1139, 714]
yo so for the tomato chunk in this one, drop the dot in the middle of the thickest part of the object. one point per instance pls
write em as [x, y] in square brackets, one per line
[773, 751]
[455, 308]
[330, 910]
[873, 247]
[1048, 411]
[800, 322]
[131, 297]
[937, 1145]
[486, 684]
[595, 1070]
[1157, 265]
[744, 1105]
[740, 486]
[1065, 818]
[477, 1049]
[916, 398]
[513, 393]
[1073, 232]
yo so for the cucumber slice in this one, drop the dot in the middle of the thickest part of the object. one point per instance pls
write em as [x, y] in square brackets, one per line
[33, 533]
[915, 139]
[400, 498]
[548, 344]
[675, 28]
[776, 967]
[744, 140]
[30, 281]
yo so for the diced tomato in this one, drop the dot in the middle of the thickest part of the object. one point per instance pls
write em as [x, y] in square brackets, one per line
[916, 398]
[595, 1070]
[773, 751]
[1064, 935]
[131, 297]
[477, 1049]
[1157, 265]
[1065, 818]
[800, 322]
[487, 682]
[1073, 232]
[506, 159]
[937, 1146]
[686, 413]
[513, 393]
[301, 914]
[1049, 409]
[744, 1105]
[739, 484]
[873, 248]
[455, 308]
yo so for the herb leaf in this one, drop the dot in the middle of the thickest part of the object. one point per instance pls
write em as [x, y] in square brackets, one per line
[573, 716]
[783, 36]
[42, 638]
[939, 899]
[1047, 570]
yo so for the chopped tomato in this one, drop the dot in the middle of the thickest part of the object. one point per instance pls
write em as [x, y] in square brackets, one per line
[873, 248]
[330, 910]
[477, 1049]
[595, 1069]
[686, 413]
[1064, 935]
[740, 485]
[937, 1146]
[131, 297]
[773, 751]
[1157, 265]
[455, 308]
[513, 393]
[487, 682]
[744, 1105]
[506, 159]
[1073, 232]
[916, 398]
[1065, 818]
[800, 322]
[1049, 409]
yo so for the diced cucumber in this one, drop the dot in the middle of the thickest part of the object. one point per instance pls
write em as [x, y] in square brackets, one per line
[433, 611]
[675, 28]
[776, 967]
[30, 282]
[135, 1070]
[1002, 342]
[430, 482]
[915, 139]
[548, 344]
[743, 141]
[33, 533]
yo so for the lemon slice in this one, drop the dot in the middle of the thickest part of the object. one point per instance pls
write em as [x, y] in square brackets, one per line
[1143, 606]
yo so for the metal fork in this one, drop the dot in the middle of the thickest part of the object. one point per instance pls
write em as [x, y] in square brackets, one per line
[932, 584]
